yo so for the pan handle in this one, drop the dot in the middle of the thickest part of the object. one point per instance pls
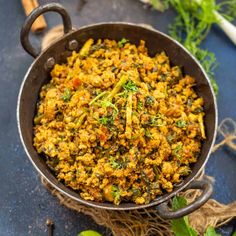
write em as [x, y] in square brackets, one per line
[205, 185]
[54, 7]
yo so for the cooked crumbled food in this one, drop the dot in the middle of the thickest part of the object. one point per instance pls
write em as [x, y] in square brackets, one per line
[118, 125]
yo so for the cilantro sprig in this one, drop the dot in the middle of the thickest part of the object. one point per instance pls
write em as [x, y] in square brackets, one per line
[122, 42]
[181, 123]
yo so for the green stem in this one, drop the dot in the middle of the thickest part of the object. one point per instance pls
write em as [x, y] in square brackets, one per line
[128, 129]
[117, 87]
[80, 120]
[97, 97]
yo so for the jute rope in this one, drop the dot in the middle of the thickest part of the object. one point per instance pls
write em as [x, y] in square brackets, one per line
[146, 221]
[227, 129]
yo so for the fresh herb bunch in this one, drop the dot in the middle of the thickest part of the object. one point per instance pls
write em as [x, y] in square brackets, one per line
[193, 23]
[181, 226]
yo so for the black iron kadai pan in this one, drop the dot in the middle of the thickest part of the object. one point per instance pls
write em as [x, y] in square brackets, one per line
[39, 72]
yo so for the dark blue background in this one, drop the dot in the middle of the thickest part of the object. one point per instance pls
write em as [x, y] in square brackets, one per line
[24, 203]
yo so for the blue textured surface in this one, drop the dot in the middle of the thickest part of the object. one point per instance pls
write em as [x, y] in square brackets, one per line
[24, 203]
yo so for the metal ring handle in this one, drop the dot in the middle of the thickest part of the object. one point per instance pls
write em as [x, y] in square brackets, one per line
[205, 185]
[54, 7]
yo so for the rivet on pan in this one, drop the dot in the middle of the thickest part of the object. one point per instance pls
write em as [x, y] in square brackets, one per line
[50, 226]
[73, 45]
[49, 63]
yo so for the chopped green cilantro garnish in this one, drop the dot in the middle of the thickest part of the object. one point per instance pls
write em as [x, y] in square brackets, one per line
[181, 123]
[140, 106]
[156, 121]
[66, 95]
[122, 42]
[177, 150]
[148, 133]
[130, 86]
[106, 120]
[115, 164]
[116, 193]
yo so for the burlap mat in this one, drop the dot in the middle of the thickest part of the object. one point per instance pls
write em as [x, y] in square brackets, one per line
[146, 221]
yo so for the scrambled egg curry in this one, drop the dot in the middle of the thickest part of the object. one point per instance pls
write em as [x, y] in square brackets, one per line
[116, 124]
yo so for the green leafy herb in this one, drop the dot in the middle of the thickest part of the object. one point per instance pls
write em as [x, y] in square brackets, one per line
[130, 86]
[89, 233]
[105, 120]
[228, 10]
[136, 192]
[116, 193]
[190, 28]
[193, 23]
[156, 121]
[106, 103]
[149, 100]
[181, 123]
[234, 234]
[185, 170]
[148, 133]
[177, 150]
[96, 47]
[66, 95]
[122, 42]
[198, 110]
[181, 226]
[108, 120]
[115, 164]
[211, 232]
[140, 106]
[178, 203]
